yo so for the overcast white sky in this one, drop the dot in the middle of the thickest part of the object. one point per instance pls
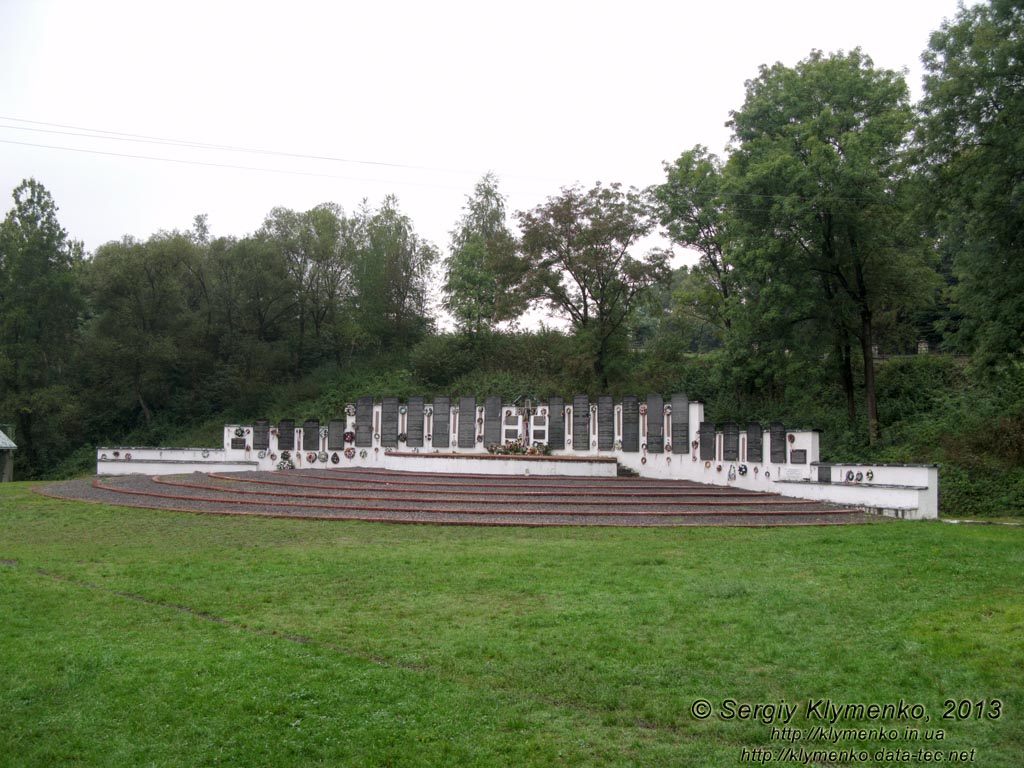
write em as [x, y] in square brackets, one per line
[429, 95]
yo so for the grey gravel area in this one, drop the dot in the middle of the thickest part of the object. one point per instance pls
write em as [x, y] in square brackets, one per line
[379, 503]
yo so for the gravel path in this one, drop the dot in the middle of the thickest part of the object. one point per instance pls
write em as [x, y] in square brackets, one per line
[376, 495]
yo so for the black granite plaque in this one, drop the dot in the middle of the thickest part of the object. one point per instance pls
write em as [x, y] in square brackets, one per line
[414, 422]
[311, 435]
[286, 435]
[824, 473]
[556, 422]
[261, 435]
[364, 422]
[441, 428]
[707, 441]
[580, 423]
[237, 443]
[389, 422]
[492, 420]
[630, 424]
[655, 424]
[755, 442]
[605, 423]
[777, 433]
[798, 456]
[336, 435]
[467, 422]
[680, 424]
[730, 441]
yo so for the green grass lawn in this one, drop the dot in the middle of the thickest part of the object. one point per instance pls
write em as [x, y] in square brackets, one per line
[135, 637]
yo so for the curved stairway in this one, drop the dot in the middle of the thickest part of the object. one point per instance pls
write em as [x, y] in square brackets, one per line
[401, 497]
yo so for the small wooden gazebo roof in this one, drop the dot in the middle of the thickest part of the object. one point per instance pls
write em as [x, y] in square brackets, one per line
[6, 444]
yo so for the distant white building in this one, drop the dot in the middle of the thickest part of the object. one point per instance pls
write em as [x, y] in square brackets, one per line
[7, 448]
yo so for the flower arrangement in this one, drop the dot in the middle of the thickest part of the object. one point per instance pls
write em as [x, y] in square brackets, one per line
[518, 448]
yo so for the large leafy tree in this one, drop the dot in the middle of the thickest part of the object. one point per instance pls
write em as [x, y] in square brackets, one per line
[483, 268]
[577, 251]
[392, 269]
[817, 187]
[972, 136]
[693, 210]
[40, 315]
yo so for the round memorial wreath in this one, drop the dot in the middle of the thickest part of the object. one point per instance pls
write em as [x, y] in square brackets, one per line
[643, 410]
[695, 444]
[859, 477]
[718, 468]
[206, 453]
[767, 474]
[362, 454]
[643, 459]
[668, 447]
[322, 456]
[127, 457]
[707, 465]
[376, 435]
[668, 459]
[791, 437]
[593, 443]
[239, 432]
[286, 455]
[350, 437]
[849, 476]
[285, 464]
[350, 410]
[742, 469]
[870, 475]
[693, 457]
[618, 445]
[324, 432]
[643, 446]
[756, 470]
[403, 409]
[103, 457]
[262, 454]
[732, 472]
[311, 457]
[350, 453]
[273, 457]
[543, 411]
[430, 436]
[668, 409]
[479, 438]
[480, 422]
[335, 458]
[402, 437]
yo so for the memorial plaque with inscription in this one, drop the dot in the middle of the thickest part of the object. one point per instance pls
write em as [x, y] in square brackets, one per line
[492, 420]
[336, 435]
[777, 433]
[442, 422]
[824, 473]
[730, 441]
[655, 424]
[261, 435]
[755, 442]
[798, 456]
[580, 423]
[364, 422]
[630, 424]
[237, 443]
[467, 422]
[414, 422]
[556, 420]
[680, 424]
[707, 441]
[389, 422]
[311, 435]
[605, 423]
[286, 435]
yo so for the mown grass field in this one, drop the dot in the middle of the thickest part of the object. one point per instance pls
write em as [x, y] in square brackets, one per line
[139, 638]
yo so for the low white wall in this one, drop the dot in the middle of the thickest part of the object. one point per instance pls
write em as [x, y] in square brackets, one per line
[486, 464]
[167, 461]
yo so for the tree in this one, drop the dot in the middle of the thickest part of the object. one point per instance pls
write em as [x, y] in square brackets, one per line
[973, 150]
[817, 184]
[483, 268]
[576, 248]
[393, 266]
[694, 212]
[40, 315]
